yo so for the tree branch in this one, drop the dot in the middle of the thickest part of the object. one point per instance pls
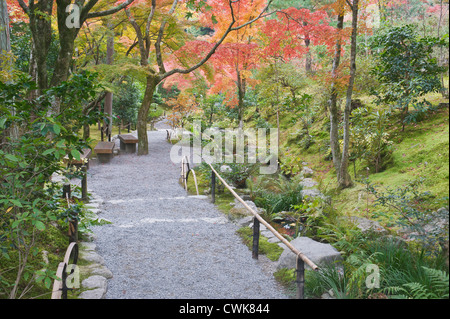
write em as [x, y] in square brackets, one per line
[91, 3]
[23, 6]
[214, 48]
[159, 60]
[140, 38]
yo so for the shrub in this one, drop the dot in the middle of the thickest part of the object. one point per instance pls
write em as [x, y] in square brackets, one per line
[33, 145]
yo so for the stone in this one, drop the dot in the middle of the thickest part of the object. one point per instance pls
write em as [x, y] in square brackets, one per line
[88, 246]
[313, 192]
[328, 295]
[98, 269]
[245, 222]
[225, 169]
[267, 234]
[94, 282]
[98, 293]
[308, 183]
[199, 196]
[92, 256]
[240, 209]
[307, 172]
[366, 225]
[319, 253]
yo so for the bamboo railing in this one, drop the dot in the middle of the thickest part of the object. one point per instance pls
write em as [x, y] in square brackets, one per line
[301, 258]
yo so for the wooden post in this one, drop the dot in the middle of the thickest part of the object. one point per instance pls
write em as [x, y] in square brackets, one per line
[101, 134]
[213, 187]
[255, 238]
[73, 231]
[84, 195]
[300, 278]
[66, 191]
[64, 284]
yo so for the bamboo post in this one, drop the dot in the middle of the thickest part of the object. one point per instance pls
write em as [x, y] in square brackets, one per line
[84, 192]
[195, 181]
[255, 238]
[300, 278]
[213, 187]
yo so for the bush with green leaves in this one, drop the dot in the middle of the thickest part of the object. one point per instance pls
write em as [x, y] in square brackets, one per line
[406, 70]
[276, 194]
[126, 102]
[33, 146]
[406, 208]
[370, 141]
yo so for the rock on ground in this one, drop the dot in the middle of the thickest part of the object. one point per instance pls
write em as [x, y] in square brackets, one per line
[319, 253]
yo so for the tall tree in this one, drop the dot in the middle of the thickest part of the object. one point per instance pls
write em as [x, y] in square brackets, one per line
[39, 13]
[160, 23]
[341, 157]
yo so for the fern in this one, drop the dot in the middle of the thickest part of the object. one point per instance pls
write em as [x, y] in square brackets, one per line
[438, 287]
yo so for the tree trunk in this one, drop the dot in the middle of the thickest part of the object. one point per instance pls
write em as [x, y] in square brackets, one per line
[109, 95]
[4, 28]
[334, 112]
[41, 30]
[308, 58]
[152, 82]
[241, 96]
[67, 38]
[344, 178]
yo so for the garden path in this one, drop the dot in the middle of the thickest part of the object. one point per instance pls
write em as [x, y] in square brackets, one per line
[162, 243]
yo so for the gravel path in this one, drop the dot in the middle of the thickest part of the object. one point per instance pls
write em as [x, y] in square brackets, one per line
[164, 244]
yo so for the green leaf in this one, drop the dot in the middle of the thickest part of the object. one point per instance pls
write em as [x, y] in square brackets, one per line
[16, 202]
[76, 154]
[2, 122]
[47, 282]
[40, 225]
[56, 129]
[49, 151]
[15, 224]
[11, 157]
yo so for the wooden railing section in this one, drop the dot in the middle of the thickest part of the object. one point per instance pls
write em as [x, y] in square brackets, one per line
[301, 258]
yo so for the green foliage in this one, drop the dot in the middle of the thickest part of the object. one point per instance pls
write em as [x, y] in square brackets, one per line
[370, 140]
[126, 102]
[406, 69]
[407, 202]
[436, 289]
[212, 107]
[33, 147]
[276, 194]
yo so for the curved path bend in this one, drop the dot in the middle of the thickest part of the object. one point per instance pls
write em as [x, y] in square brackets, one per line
[164, 244]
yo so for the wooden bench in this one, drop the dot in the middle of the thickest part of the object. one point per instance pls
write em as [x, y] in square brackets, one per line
[128, 143]
[104, 151]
